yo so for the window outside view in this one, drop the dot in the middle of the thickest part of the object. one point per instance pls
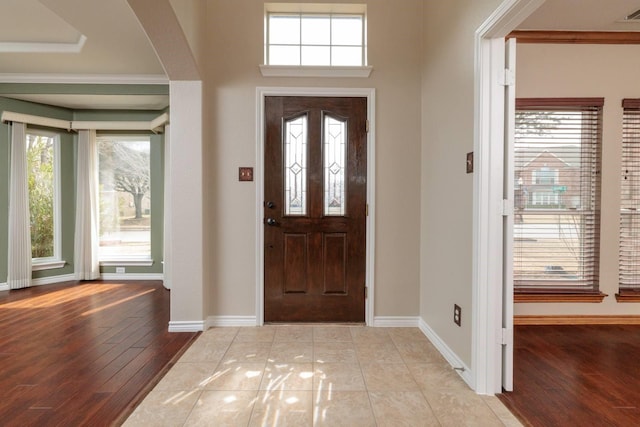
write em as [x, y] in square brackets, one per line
[315, 39]
[42, 193]
[125, 198]
[555, 198]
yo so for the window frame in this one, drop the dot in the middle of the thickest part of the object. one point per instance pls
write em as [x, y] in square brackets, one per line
[55, 261]
[628, 269]
[119, 260]
[580, 285]
[300, 45]
[361, 71]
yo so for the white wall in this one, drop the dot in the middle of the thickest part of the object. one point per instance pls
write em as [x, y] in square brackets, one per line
[609, 71]
[446, 189]
[186, 217]
[235, 49]
[192, 17]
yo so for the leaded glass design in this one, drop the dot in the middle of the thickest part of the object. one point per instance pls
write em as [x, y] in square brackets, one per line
[334, 147]
[295, 166]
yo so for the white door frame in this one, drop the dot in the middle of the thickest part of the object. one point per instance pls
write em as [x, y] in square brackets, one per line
[488, 192]
[369, 93]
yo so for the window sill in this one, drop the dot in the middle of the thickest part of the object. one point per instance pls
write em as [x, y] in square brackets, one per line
[628, 296]
[141, 262]
[559, 297]
[314, 71]
[48, 265]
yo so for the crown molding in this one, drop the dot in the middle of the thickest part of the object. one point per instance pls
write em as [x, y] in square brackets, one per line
[43, 47]
[140, 79]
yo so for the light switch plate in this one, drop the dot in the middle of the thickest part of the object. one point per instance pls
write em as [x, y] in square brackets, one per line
[245, 174]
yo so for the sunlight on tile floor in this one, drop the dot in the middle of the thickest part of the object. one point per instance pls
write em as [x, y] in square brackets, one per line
[315, 376]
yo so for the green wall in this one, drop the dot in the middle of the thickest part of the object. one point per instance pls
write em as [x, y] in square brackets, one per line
[68, 152]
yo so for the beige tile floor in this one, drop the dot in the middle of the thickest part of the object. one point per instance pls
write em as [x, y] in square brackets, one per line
[315, 376]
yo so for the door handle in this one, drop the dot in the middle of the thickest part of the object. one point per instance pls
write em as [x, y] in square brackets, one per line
[271, 221]
[270, 205]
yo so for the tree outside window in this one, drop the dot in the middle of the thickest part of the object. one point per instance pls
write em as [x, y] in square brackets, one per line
[42, 193]
[125, 197]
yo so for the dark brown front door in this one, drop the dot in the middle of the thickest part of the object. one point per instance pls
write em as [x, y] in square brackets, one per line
[315, 209]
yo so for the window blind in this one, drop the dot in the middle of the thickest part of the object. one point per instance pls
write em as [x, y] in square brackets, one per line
[629, 268]
[557, 194]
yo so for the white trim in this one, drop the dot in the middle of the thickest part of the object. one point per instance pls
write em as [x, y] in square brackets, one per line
[315, 71]
[156, 125]
[451, 357]
[396, 321]
[223, 321]
[57, 192]
[127, 263]
[55, 261]
[10, 116]
[43, 47]
[53, 279]
[4, 287]
[138, 79]
[166, 240]
[131, 276]
[337, 8]
[488, 190]
[47, 265]
[186, 326]
[370, 94]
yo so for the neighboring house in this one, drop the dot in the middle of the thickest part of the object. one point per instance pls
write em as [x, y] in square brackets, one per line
[547, 181]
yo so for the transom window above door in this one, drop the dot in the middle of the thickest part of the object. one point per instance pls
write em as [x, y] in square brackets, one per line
[311, 35]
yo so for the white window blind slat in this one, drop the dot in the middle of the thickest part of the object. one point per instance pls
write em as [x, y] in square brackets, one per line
[629, 262]
[557, 194]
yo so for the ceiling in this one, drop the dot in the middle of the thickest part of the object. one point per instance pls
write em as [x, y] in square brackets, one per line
[101, 41]
[78, 41]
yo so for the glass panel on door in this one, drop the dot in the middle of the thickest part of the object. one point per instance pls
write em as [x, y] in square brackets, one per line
[295, 166]
[335, 132]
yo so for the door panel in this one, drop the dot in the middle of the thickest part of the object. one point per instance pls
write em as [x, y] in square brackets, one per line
[295, 263]
[315, 209]
[335, 263]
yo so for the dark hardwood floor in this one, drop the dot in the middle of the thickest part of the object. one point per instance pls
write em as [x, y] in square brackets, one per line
[83, 353]
[586, 375]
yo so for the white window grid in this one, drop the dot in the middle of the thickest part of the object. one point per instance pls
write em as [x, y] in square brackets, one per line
[362, 46]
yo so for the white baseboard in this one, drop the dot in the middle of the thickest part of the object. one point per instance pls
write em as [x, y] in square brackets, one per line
[186, 326]
[221, 321]
[451, 357]
[53, 279]
[396, 321]
[72, 278]
[131, 276]
[45, 281]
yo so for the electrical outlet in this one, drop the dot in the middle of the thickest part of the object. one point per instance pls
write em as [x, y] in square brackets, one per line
[457, 315]
[119, 270]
